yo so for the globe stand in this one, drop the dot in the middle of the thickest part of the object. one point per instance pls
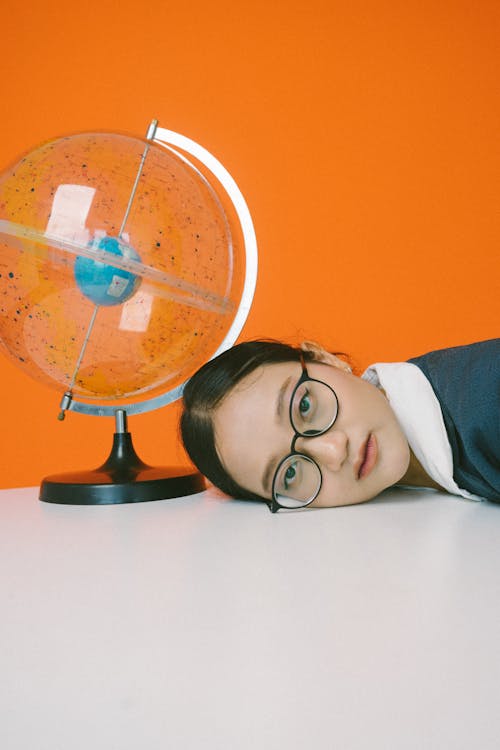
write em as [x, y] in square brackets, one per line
[122, 478]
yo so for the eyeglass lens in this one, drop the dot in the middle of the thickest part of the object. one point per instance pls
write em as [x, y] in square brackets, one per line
[297, 481]
[314, 408]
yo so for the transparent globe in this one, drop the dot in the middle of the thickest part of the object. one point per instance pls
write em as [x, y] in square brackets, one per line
[123, 268]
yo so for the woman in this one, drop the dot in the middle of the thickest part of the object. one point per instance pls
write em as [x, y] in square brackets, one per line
[295, 427]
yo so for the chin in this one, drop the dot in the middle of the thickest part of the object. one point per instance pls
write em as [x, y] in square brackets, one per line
[397, 463]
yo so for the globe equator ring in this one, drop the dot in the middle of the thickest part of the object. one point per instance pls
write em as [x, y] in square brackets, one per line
[166, 285]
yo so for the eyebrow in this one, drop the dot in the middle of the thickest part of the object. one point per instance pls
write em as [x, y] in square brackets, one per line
[280, 406]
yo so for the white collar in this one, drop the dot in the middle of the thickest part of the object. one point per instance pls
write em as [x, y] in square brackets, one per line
[418, 411]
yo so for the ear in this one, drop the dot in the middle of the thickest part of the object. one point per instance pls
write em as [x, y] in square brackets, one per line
[321, 355]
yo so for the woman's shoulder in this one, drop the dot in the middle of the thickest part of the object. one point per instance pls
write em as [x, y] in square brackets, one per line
[465, 378]
[466, 381]
[463, 365]
[479, 353]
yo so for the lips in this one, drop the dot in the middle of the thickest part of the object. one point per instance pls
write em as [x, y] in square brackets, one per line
[367, 457]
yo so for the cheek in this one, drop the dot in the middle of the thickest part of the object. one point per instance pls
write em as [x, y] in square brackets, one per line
[373, 410]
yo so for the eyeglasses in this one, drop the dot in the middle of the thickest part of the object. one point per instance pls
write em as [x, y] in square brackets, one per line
[313, 410]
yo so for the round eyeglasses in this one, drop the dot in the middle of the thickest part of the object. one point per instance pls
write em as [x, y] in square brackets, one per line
[313, 410]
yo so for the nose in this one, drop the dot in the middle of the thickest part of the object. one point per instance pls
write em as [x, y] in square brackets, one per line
[328, 450]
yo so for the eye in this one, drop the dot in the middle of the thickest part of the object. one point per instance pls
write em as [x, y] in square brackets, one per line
[303, 408]
[290, 475]
[305, 404]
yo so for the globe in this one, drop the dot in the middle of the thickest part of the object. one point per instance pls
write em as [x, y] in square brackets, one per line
[125, 264]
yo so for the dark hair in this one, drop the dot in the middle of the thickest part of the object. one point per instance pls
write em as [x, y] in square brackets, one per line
[207, 388]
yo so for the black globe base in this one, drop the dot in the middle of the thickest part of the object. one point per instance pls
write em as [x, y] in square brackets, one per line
[123, 478]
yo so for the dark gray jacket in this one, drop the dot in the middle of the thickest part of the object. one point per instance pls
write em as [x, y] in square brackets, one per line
[466, 381]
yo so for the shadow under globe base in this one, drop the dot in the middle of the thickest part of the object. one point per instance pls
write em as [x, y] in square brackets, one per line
[123, 478]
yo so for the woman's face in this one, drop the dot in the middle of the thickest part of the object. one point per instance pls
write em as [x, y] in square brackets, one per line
[363, 453]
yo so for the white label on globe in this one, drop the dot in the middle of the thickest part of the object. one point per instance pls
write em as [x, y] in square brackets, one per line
[117, 286]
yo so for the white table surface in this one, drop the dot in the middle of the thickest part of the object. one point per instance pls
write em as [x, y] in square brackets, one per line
[206, 623]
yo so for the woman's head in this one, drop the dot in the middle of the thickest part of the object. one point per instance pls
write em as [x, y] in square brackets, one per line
[236, 424]
[204, 393]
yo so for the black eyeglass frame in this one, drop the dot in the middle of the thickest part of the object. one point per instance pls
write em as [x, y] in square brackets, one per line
[273, 504]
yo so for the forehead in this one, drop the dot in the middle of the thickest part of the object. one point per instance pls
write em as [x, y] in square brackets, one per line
[248, 427]
[260, 385]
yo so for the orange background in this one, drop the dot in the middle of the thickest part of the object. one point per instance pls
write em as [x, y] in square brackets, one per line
[364, 136]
